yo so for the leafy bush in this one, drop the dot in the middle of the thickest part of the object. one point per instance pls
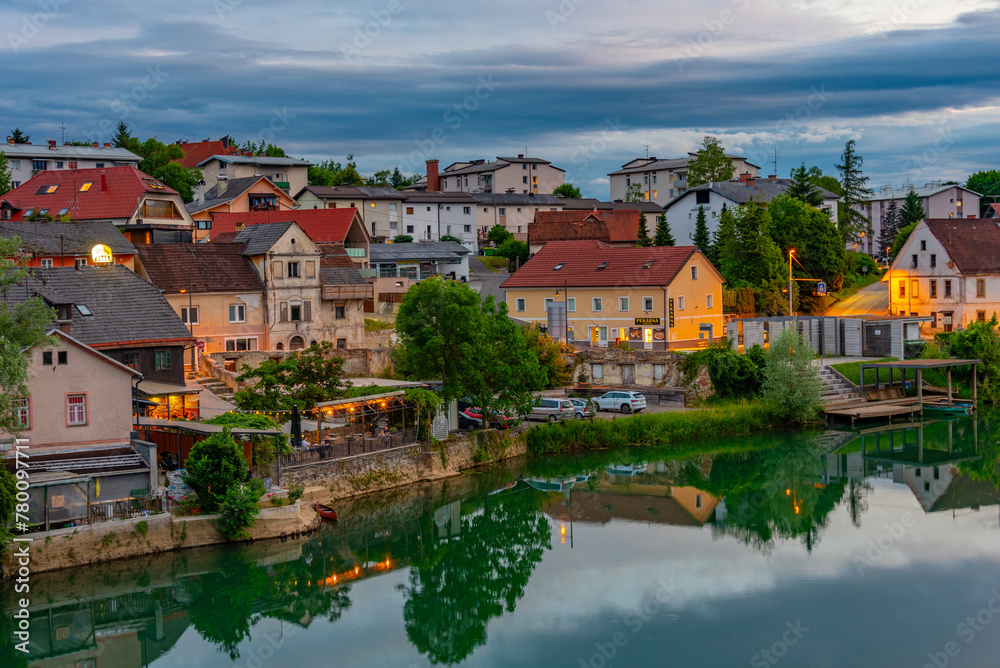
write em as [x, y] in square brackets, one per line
[448, 237]
[238, 511]
[214, 467]
[981, 341]
[791, 381]
[295, 493]
[733, 375]
[403, 239]
[8, 503]
[263, 446]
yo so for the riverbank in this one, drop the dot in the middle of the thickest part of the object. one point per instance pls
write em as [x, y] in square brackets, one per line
[647, 430]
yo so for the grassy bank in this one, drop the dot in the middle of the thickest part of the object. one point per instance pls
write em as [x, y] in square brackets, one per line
[852, 371]
[657, 429]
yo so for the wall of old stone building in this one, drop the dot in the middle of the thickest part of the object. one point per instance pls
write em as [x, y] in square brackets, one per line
[644, 362]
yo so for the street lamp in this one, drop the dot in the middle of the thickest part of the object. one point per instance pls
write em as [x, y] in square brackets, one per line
[790, 252]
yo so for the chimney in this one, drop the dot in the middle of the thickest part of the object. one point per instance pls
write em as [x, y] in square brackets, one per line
[95, 145]
[201, 192]
[225, 142]
[772, 177]
[10, 140]
[52, 144]
[104, 180]
[65, 325]
[107, 145]
[433, 182]
[750, 181]
[745, 177]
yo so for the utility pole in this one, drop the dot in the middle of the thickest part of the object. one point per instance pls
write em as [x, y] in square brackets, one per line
[790, 252]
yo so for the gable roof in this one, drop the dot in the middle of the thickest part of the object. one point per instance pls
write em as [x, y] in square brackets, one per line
[322, 225]
[352, 192]
[234, 189]
[422, 250]
[993, 210]
[239, 159]
[126, 310]
[517, 199]
[258, 239]
[622, 225]
[196, 151]
[763, 190]
[106, 152]
[676, 164]
[971, 243]
[114, 193]
[214, 267]
[581, 262]
[927, 190]
[66, 238]
[96, 353]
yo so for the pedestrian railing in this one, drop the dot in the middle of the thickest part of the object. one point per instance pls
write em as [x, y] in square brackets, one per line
[127, 508]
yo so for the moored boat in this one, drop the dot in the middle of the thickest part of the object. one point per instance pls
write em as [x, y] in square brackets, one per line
[326, 512]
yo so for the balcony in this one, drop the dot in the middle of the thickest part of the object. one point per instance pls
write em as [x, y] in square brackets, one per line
[349, 291]
[356, 252]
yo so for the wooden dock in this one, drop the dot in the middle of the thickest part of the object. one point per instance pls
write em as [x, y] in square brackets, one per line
[874, 410]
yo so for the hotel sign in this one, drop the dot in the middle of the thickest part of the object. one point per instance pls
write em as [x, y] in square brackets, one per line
[647, 321]
[101, 254]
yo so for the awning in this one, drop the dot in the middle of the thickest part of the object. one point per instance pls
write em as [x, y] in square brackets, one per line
[202, 428]
[151, 389]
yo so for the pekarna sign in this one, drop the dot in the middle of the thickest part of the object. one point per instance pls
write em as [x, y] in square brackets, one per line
[647, 321]
[101, 254]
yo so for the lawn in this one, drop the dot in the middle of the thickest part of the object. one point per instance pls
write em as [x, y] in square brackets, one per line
[852, 371]
[494, 263]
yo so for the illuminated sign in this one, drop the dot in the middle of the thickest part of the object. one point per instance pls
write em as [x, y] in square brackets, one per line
[671, 312]
[647, 321]
[101, 254]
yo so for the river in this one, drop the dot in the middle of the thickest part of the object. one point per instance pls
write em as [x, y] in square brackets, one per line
[876, 548]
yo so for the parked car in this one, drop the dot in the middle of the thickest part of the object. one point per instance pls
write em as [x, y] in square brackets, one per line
[626, 402]
[553, 409]
[471, 417]
[583, 410]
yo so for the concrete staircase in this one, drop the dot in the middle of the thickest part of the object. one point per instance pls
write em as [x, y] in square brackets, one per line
[215, 387]
[837, 391]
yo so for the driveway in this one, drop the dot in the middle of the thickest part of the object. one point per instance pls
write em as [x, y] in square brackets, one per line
[486, 281]
[873, 299]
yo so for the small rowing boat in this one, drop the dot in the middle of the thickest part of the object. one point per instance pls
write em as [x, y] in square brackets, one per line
[326, 512]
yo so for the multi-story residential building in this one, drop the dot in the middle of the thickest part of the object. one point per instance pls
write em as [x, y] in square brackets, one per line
[682, 211]
[48, 245]
[660, 181]
[254, 193]
[647, 296]
[381, 208]
[304, 302]
[948, 270]
[337, 232]
[938, 200]
[520, 174]
[396, 267]
[29, 160]
[511, 211]
[214, 289]
[430, 215]
[144, 209]
[289, 174]
[616, 228]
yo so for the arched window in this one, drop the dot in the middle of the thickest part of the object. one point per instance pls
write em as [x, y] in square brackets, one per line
[280, 346]
[312, 343]
[296, 343]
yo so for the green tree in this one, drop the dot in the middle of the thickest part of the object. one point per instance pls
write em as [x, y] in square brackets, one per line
[890, 228]
[634, 193]
[214, 466]
[239, 509]
[303, 379]
[498, 234]
[567, 190]
[643, 240]
[663, 237]
[803, 188]
[550, 355]
[911, 214]
[263, 446]
[701, 236]
[981, 341]
[853, 183]
[514, 250]
[176, 176]
[711, 164]
[748, 256]
[332, 173]
[379, 179]
[6, 178]
[986, 184]
[19, 137]
[791, 380]
[402, 239]
[439, 330]
[123, 137]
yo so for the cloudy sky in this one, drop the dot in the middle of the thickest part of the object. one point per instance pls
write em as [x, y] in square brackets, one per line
[585, 84]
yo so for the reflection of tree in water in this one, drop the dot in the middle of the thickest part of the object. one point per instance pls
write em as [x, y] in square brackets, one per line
[475, 576]
[295, 591]
[986, 468]
[10, 657]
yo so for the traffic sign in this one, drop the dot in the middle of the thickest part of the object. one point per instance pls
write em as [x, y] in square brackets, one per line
[201, 345]
[821, 288]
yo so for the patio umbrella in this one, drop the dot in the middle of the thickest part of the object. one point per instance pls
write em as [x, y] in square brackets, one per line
[296, 427]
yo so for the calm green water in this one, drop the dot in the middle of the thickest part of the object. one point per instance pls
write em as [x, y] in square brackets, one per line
[796, 550]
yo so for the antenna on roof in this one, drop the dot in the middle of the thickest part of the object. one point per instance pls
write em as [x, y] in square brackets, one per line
[775, 172]
[62, 126]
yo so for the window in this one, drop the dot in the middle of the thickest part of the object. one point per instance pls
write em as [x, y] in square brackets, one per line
[59, 164]
[980, 287]
[647, 303]
[409, 210]
[597, 371]
[914, 265]
[61, 356]
[15, 164]
[658, 371]
[502, 211]
[242, 344]
[295, 312]
[519, 304]
[933, 289]
[981, 316]
[293, 270]
[340, 311]
[76, 410]
[409, 229]
[709, 300]
[524, 179]
[694, 272]
[189, 318]
[468, 228]
[923, 244]
[161, 360]
[86, 186]
[46, 263]
[22, 408]
[914, 288]
[467, 210]
[623, 304]
[702, 197]
[47, 358]
[548, 300]
[902, 289]
[933, 261]
[98, 165]
[63, 211]
[341, 343]
[598, 304]
[237, 313]
[947, 288]
[524, 166]
[131, 360]
[39, 165]
[571, 304]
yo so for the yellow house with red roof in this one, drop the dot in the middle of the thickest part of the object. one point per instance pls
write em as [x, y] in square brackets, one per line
[658, 297]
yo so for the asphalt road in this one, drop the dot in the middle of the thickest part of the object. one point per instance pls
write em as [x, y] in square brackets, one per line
[488, 282]
[871, 300]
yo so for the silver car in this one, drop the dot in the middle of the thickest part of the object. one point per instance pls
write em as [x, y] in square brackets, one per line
[553, 409]
[584, 409]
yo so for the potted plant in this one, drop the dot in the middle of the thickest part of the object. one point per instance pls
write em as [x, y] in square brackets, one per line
[582, 378]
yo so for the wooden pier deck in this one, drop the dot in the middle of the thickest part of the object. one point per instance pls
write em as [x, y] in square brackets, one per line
[876, 409]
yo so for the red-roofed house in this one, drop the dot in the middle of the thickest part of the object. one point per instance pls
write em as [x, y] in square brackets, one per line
[617, 228]
[992, 211]
[948, 269]
[253, 193]
[197, 151]
[333, 230]
[146, 210]
[642, 295]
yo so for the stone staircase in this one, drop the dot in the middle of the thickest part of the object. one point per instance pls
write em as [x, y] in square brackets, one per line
[837, 391]
[215, 387]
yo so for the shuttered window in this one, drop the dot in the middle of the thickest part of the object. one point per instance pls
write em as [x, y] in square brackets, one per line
[283, 312]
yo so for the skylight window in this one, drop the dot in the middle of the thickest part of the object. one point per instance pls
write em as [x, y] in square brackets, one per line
[28, 213]
[63, 211]
[82, 308]
[153, 183]
[603, 266]
[43, 212]
[559, 266]
[86, 186]
[648, 265]
[46, 190]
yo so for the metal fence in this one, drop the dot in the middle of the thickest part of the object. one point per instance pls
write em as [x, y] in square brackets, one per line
[123, 509]
[348, 447]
